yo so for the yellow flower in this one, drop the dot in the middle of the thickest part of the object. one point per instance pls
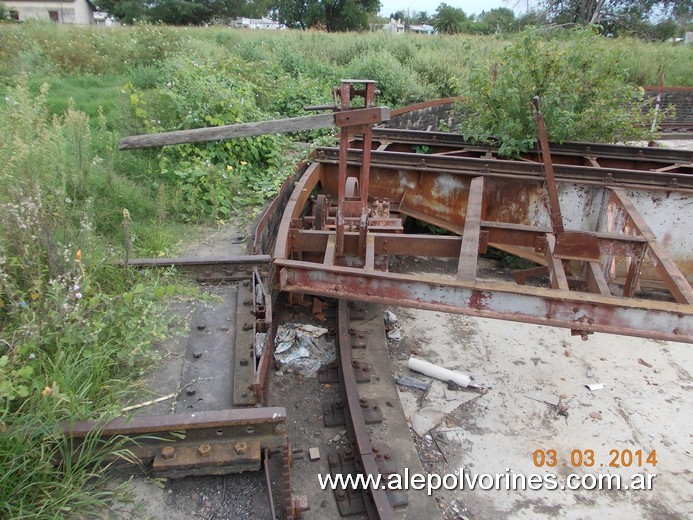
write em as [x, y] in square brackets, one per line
[243, 163]
[229, 168]
[47, 391]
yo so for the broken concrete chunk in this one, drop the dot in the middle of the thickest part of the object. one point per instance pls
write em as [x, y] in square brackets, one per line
[544, 397]
[314, 454]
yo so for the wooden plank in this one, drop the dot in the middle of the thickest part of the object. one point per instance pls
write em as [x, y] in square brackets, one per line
[469, 251]
[277, 126]
[671, 275]
[596, 281]
[293, 124]
[556, 271]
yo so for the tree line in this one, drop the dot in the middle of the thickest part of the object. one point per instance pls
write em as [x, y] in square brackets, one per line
[650, 19]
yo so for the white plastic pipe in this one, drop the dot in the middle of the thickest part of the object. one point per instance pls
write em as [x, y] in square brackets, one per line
[431, 370]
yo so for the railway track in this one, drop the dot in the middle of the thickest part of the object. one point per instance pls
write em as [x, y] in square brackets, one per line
[333, 230]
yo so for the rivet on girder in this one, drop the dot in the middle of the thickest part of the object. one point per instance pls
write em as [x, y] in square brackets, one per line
[204, 450]
[241, 448]
[168, 452]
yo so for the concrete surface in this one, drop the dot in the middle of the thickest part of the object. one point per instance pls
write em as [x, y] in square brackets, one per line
[641, 408]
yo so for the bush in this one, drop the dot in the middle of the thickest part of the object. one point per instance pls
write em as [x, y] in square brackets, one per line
[578, 76]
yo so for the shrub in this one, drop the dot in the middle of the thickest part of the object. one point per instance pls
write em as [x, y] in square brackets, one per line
[581, 83]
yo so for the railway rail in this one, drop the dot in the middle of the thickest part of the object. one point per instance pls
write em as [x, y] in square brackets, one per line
[335, 227]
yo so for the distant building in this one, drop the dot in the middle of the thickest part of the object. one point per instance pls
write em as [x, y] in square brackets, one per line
[394, 27]
[104, 19]
[422, 29]
[257, 23]
[77, 12]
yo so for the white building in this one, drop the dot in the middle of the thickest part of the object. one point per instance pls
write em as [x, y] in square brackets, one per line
[257, 23]
[394, 27]
[78, 12]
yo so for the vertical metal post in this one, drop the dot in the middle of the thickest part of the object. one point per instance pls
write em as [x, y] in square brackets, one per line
[345, 97]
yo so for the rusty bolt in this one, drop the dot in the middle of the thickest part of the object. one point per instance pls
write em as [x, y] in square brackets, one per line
[168, 452]
[241, 448]
[205, 450]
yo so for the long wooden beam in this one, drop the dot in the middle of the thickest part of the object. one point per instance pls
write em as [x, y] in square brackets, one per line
[469, 251]
[277, 126]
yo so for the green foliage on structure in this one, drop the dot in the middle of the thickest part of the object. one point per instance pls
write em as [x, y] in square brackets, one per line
[580, 80]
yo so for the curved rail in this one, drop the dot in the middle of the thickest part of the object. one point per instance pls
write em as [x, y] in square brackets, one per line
[377, 503]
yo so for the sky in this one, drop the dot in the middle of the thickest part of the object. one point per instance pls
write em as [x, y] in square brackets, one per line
[468, 6]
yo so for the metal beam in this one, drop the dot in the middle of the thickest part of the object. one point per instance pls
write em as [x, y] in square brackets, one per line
[555, 265]
[671, 276]
[500, 300]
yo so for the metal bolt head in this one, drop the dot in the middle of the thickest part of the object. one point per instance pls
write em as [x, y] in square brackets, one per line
[241, 448]
[204, 450]
[190, 391]
[201, 326]
[168, 452]
[197, 354]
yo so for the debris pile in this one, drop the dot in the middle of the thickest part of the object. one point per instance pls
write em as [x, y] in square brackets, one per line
[304, 348]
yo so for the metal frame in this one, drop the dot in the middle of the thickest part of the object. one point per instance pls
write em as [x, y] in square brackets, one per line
[596, 274]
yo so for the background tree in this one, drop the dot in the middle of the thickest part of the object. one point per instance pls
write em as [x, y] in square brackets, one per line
[334, 15]
[449, 20]
[619, 16]
[182, 12]
[421, 17]
[496, 21]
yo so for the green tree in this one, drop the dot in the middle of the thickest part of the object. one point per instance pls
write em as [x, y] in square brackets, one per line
[618, 16]
[579, 79]
[333, 15]
[449, 20]
[422, 17]
[498, 21]
[181, 12]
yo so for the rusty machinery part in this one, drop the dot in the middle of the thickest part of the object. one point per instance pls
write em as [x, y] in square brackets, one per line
[351, 189]
[321, 212]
